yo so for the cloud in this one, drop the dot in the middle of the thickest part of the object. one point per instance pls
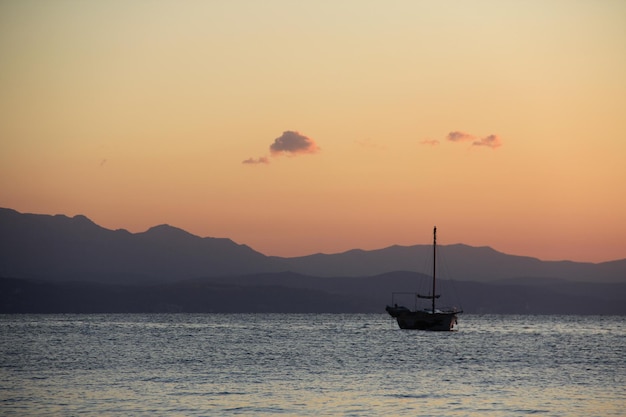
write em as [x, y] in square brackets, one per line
[260, 160]
[491, 141]
[457, 136]
[290, 143]
[293, 143]
[431, 142]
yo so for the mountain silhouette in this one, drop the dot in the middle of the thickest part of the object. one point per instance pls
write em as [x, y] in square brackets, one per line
[295, 293]
[60, 264]
[60, 248]
[461, 262]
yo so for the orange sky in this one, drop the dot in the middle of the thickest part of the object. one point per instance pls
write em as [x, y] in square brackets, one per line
[304, 127]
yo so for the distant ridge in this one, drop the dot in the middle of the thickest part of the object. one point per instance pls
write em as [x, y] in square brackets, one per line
[462, 262]
[60, 248]
[294, 293]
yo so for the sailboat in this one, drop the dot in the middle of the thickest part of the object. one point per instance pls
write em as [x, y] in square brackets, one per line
[444, 319]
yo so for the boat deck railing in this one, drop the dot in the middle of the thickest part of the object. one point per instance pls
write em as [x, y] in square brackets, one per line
[408, 299]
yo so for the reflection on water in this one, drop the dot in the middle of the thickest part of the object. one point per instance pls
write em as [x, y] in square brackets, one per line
[310, 365]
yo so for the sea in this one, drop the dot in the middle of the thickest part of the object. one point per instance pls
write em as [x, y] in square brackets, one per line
[310, 365]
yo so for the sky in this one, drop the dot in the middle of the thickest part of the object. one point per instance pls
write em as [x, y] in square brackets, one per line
[323, 126]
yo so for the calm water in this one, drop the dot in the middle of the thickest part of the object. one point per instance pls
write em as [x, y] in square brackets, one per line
[358, 365]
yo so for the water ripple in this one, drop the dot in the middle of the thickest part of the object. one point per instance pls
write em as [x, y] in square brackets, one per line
[199, 365]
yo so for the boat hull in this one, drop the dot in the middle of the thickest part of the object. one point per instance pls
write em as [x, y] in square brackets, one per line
[423, 320]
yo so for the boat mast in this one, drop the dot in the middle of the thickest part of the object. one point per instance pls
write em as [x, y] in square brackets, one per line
[434, 263]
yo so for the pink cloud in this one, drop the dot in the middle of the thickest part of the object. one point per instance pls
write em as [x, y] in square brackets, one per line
[431, 142]
[457, 136]
[491, 141]
[260, 160]
[293, 143]
[290, 143]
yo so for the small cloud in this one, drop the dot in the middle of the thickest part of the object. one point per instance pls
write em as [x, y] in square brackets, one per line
[457, 136]
[256, 161]
[293, 143]
[431, 142]
[491, 141]
[290, 143]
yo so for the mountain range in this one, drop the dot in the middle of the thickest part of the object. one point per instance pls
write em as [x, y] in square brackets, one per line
[44, 259]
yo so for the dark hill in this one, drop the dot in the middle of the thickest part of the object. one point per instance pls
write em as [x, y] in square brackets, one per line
[59, 248]
[294, 293]
[461, 262]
